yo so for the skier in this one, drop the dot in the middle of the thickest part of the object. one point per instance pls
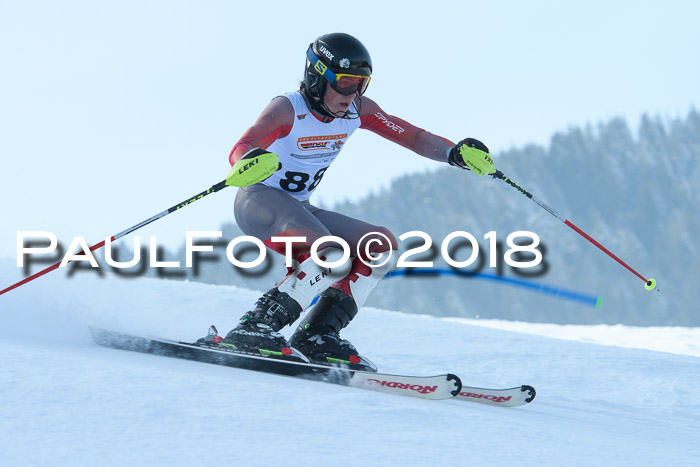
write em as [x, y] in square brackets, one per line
[307, 130]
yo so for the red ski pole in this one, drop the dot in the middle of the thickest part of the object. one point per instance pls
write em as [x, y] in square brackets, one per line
[649, 284]
[247, 171]
[97, 246]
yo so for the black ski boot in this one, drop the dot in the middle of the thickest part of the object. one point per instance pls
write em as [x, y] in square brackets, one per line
[317, 336]
[257, 330]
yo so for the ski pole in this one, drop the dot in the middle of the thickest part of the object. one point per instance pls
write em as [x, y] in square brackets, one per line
[244, 173]
[650, 283]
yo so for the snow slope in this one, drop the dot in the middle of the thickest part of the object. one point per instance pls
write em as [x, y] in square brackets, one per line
[66, 401]
[684, 341]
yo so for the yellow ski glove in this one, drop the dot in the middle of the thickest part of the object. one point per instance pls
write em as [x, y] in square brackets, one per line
[472, 154]
[255, 166]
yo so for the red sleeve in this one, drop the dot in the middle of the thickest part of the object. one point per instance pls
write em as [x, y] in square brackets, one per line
[274, 122]
[373, 118]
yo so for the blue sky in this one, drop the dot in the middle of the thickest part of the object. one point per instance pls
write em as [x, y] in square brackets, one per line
[110, 113]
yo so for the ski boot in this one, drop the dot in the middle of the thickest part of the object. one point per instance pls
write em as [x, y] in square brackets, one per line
[258, 329]
[318, 338]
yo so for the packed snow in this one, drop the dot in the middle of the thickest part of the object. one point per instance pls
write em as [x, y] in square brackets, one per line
[605, 395]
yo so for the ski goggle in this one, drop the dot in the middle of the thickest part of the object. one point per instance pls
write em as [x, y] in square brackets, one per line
[345, 84]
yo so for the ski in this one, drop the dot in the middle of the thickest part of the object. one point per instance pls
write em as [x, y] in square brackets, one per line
[426, 387]
[512, 397]
[447, 386]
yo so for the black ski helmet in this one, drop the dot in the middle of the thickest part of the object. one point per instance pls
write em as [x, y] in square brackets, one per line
[341, 53]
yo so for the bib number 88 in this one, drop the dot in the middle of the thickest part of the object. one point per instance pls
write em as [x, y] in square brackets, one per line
[295, 182]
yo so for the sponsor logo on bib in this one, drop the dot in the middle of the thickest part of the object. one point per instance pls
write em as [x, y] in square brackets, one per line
[311, 143]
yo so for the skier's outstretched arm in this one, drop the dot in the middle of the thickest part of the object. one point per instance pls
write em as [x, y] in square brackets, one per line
[467, 154]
